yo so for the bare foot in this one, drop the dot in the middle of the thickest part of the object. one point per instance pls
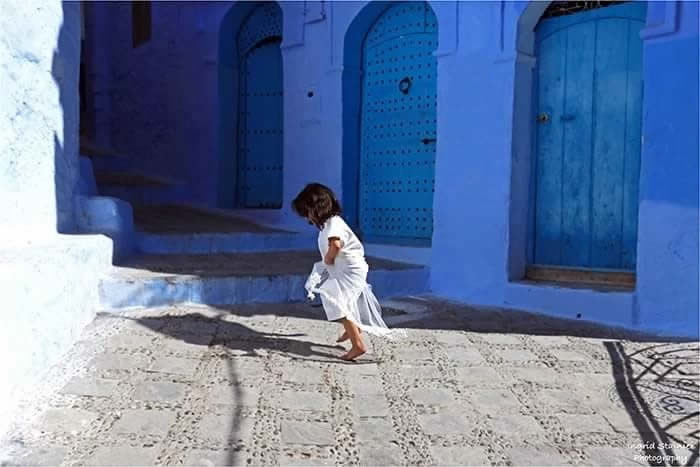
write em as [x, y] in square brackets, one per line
[354, 353]
[343, 338]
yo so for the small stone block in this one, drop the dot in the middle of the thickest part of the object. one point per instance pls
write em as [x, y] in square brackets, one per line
[494, 400]
[465, 355]
[536, 375]
[30, 455]
[521, 426]
[305, 400]
[366, 385]
[412, 373]
[479, 376]
[372, 405]
[501, 339]
[568, 355]
[175, 366]
[159, 391]
[460, 456]
[539, 456]
[145, 422]
[210, 458]
[95, 387]
[451, 338]
[308, 433]
[226, 394]
[552, 341]
[123, 456]
[374, 430]
[443, 424]
[578, 424]
[302, 375]
[226, 428]
[428, 396]
[516, 355]
[114, 361]
[388, 454]
[67, 420]
[617, 457]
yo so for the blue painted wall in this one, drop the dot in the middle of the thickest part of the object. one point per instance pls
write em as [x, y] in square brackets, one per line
[482, 203]
[48, 280]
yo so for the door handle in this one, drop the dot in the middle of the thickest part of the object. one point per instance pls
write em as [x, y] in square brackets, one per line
[543, 117]
[428, 140]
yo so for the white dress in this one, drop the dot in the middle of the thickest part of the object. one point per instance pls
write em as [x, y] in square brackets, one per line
[343, 286]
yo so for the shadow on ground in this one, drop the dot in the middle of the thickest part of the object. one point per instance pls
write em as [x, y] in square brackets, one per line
[658, 383]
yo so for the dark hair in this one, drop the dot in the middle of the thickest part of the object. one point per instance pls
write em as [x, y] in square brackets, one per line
[317, 203]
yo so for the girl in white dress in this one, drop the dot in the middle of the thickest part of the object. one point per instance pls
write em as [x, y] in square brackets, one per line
[341, 278]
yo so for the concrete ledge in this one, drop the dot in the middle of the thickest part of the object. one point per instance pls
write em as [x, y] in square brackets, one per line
[203, 243]
[145, 194]
[116, 293]
[157, 280]
[111, 217]
[611, 307]
[50, 292]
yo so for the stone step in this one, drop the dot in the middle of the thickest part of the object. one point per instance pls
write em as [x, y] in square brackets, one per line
[93, 150]
[185, 229]
[231, 279]
[140, 188]
[214, 243]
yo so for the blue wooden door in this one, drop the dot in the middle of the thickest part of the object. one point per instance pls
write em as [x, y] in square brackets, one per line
[588, 137]
[259, 179]
[398, 127]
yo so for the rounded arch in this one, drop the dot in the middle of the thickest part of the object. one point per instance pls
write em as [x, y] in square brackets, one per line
[352, 97]
[229, 84]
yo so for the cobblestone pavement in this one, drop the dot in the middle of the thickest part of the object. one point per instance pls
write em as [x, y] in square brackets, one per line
[262, 385]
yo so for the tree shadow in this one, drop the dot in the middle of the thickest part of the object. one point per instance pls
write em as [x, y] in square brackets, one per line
[660, 389]
[237, 341]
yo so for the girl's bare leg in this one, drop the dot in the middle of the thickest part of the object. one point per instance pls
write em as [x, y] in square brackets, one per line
[358, 347]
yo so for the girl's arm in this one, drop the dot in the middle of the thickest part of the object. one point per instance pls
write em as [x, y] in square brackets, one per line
[333, 250]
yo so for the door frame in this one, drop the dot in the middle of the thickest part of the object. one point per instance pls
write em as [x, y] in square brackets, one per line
[352, 92]
[660, 21]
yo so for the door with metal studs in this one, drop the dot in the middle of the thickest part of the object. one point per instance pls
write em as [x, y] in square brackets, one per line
[398, 126]
[259, 167]
[588, 137]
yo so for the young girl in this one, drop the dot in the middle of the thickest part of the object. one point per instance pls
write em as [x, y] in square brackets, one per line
[341, 278]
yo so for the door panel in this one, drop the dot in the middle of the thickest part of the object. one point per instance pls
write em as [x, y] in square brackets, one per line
[399, 118]
[260, 117]
[588, 137]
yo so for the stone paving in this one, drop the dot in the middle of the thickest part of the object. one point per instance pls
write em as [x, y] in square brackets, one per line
[262, 385]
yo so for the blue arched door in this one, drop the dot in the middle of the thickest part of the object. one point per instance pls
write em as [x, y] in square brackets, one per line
[398, 126]
[588, 137]
[260, 122]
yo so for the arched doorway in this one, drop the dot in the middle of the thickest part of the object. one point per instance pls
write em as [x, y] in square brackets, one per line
[398, 125]
[260, 117]
[588, 117]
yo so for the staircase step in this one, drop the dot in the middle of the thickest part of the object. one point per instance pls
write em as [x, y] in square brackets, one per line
[213, 243]
[92, 150]
[131, 179]
[231, 279]
[184, 229]
[139, 188]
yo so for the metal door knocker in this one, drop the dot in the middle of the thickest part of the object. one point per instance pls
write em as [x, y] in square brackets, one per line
[405, 85]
